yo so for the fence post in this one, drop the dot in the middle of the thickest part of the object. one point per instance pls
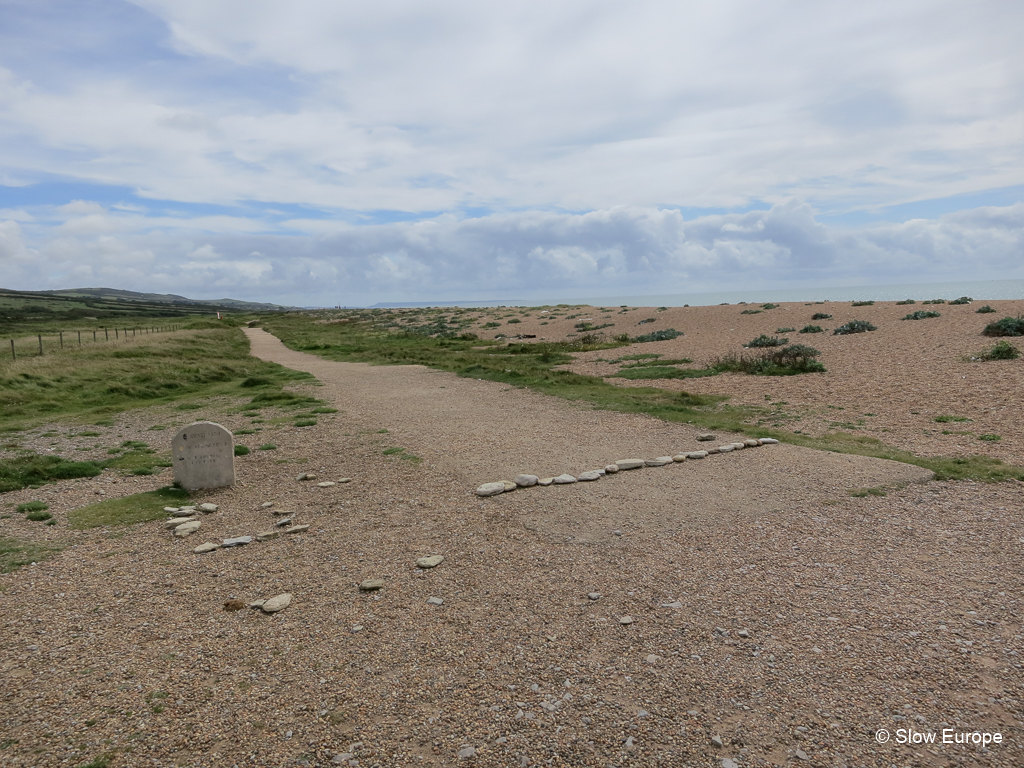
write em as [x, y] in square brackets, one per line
[117, 334]
[79, 338]
[14, 355]
[106, 333]
[61, 339]
[40, 344]
[94, 335]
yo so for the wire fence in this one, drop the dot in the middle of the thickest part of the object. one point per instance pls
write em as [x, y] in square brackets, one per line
[43, 344]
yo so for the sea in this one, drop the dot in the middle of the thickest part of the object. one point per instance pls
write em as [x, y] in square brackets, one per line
[983, 290]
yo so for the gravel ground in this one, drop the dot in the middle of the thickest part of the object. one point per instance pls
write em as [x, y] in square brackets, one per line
[775, 619]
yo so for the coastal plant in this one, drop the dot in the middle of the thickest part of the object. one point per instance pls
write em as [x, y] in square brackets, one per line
[920, 314]
[811, 329]
[784, 330]
[934, 301]
[1008, 326]
[751, 312]
[784, 361]
[945, 419]
[990, 438]
[962, 300]
[770, 306]
[665, 335]
[984, 310]
[820, 316]
[905, 301]
[766, 341]
[33, 506]
[863, 303]
[854, 326]
[1001, 350]
[241, 450]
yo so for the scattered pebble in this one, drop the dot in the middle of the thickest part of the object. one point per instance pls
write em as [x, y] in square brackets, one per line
[208, 508]
[717, 741]
[626, 620]
[594, 595]
[371, 584]
[234, 605]
[209, 546]
[267, 535]
[186, 529]
[325, 484]
[297, 529]
[174, 522]
[706, 437]
[277, 603]
[430, 561]
[435, 601]
[238, 541]
[490, 489]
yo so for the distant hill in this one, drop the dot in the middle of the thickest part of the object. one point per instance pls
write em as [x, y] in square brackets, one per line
[77, 304]
[165, 298]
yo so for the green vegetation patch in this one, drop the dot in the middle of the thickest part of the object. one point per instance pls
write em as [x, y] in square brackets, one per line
[33, 469]
[1001, 350]
[137, 508]
[863, 492]
[961, 300]
[984, 310]
[241, 450]
[920, 314]
[811, 329]
[663, 372]
[854, 326]
[15, 553]
[946, 419]
[863, 304]
[33, 506]
[1008, 326]
[905, 302]
[784, 361]
[666, 335]
[820, 316]
[766, 341]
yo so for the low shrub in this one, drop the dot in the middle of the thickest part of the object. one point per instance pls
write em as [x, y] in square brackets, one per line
[934, 301]
[491, 325]
[33, 506]
[268, 447]
[820, 316]
[666, 335]
[962, 300]
[921, 314]
[1008, 326]
[514, 320]
[241, 450]
[989, 438]
[785, 361]
[38, 517]
[985, 310]
[905, 301]
[770, 306]
[766, 341]
[663, 372]
[854, 326]
[863, 303]
[811, 329]
[751, 312]
[784, 330]
[1001, 350]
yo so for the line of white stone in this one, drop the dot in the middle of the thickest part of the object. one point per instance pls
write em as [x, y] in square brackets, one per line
[527, 481]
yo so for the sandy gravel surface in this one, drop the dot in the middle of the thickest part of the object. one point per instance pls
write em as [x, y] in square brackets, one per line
[891, 383]
[892, 612]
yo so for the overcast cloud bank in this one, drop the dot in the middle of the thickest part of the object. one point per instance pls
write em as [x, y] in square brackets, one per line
[546, 255]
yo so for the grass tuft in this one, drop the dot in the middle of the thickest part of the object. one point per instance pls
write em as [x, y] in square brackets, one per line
[137, 508]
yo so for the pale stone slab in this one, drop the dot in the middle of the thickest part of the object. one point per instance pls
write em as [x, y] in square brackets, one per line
[204, 456]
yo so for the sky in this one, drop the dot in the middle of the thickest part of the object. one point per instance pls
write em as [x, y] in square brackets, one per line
[323, 152]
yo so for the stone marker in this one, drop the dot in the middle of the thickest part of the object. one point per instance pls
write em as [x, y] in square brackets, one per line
[525, 481]
[546, 481]
[297, 529]
[174, 522]
[204, 456]
[661, 461]
[767, 441]
[564, 479]
[696, 454]
[588, 476]
[611, 469]
[705, 438]
[208, 508]
[238, 541]
[679, 457]
[267, 535]
[209, 546]
[751, 443]
[490, 489]
[509, 485]
[629, 463]
[726, 448]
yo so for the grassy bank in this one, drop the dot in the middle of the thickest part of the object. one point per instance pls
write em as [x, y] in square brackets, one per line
[371, 336]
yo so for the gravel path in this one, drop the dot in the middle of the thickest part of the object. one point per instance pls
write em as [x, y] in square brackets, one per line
[746, 610]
